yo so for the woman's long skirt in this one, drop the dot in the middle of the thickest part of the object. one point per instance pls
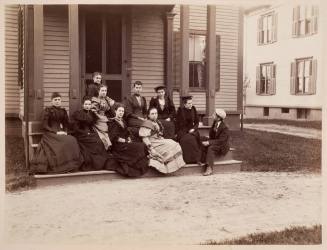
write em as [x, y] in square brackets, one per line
[93, 151]
[101, 127]
[192, 150]
[131, 158]
[169, 129]
[172, 155]
[56, 154]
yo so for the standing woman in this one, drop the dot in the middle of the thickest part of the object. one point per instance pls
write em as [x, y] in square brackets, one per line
[131, 156]
[92, 89]
[92, 148]
[187, 123]
[166, 111]
[103, 106]
[165, 154]
[57, 152]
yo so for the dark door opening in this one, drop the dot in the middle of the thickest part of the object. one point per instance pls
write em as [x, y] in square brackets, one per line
[103, 49]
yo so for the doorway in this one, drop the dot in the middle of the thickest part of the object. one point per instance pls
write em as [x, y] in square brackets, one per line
[103, 49]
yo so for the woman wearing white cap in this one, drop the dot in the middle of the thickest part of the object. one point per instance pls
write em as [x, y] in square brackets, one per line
[218, 142]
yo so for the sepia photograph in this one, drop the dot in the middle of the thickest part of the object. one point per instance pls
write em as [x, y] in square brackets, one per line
[163, 124]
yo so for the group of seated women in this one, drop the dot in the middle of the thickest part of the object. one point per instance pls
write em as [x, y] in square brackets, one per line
[101, 137]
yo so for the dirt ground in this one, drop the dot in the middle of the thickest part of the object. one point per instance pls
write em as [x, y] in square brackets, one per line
[173, 210]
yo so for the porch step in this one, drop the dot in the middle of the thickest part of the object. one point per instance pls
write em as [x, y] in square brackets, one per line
[221, 166]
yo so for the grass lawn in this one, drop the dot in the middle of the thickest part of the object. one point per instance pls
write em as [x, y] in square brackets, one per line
[296, 123]
[265, 151]
[16, 172]
[289, 236]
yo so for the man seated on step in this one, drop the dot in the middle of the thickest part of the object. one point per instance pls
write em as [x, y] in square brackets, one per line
[218, 142]
[135, 110]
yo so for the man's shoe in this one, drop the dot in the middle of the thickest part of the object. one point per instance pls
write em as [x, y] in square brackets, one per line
[209, 171]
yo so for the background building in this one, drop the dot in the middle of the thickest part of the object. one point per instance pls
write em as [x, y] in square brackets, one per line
[283, 47]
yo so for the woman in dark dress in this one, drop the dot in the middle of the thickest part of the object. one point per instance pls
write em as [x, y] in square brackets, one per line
[92, 89]
[57, 152]
[93, 151]
[131, 156]
[166, 111]
[187, 122]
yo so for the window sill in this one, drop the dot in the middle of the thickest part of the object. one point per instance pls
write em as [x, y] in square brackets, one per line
[303, 36]
[266, 94]
[263, 44]
[300, 94]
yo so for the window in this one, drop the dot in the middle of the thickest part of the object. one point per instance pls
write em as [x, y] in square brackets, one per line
[285, 110]
[20, 68]
[303, 76]
[267, 28]
[265, 111]
[197, 58]
[305, 20]
[266, 79]
[302, 113]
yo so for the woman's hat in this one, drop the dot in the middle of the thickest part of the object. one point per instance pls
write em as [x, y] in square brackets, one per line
[159, 88]
[221, 113]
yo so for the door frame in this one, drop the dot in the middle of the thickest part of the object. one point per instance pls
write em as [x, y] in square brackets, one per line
[125, 12]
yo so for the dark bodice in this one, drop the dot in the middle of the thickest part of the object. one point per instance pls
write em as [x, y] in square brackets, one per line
[133, 109]
[92, 90]
[55, 119]
[187, 119]
[116, 130]
[168, 110]
[84, 121]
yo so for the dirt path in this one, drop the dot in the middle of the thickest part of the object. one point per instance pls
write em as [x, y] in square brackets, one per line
[173, 210]
[285, 129]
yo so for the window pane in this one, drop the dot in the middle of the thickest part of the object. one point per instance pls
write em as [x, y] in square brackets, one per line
[197, 46]
[307, 67]
[268, 69]
[265, 23]
[302, 27]
[300, 68]
[300, 84]
[93, 43]
[114, 44]
[306, 84]
[269, 22]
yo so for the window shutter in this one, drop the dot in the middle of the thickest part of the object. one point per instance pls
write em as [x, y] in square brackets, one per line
[272, 89]
[313, 76]
[259, 31]
[293, 78]
[274, 27]
[314, 21]
[217, 63]
[296, 15]
[258, 80]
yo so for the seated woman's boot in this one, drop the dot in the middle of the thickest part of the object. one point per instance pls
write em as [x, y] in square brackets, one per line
[209, 171]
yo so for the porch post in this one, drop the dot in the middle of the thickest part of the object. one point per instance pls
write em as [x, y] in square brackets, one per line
[38, 44]
[74, 73]
[210, 64]
[184, 24]
[169, 51]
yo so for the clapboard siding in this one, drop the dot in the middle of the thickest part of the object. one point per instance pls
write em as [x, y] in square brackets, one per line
[227, 27]
[148, 50]
[56, 57]
[12, 90]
